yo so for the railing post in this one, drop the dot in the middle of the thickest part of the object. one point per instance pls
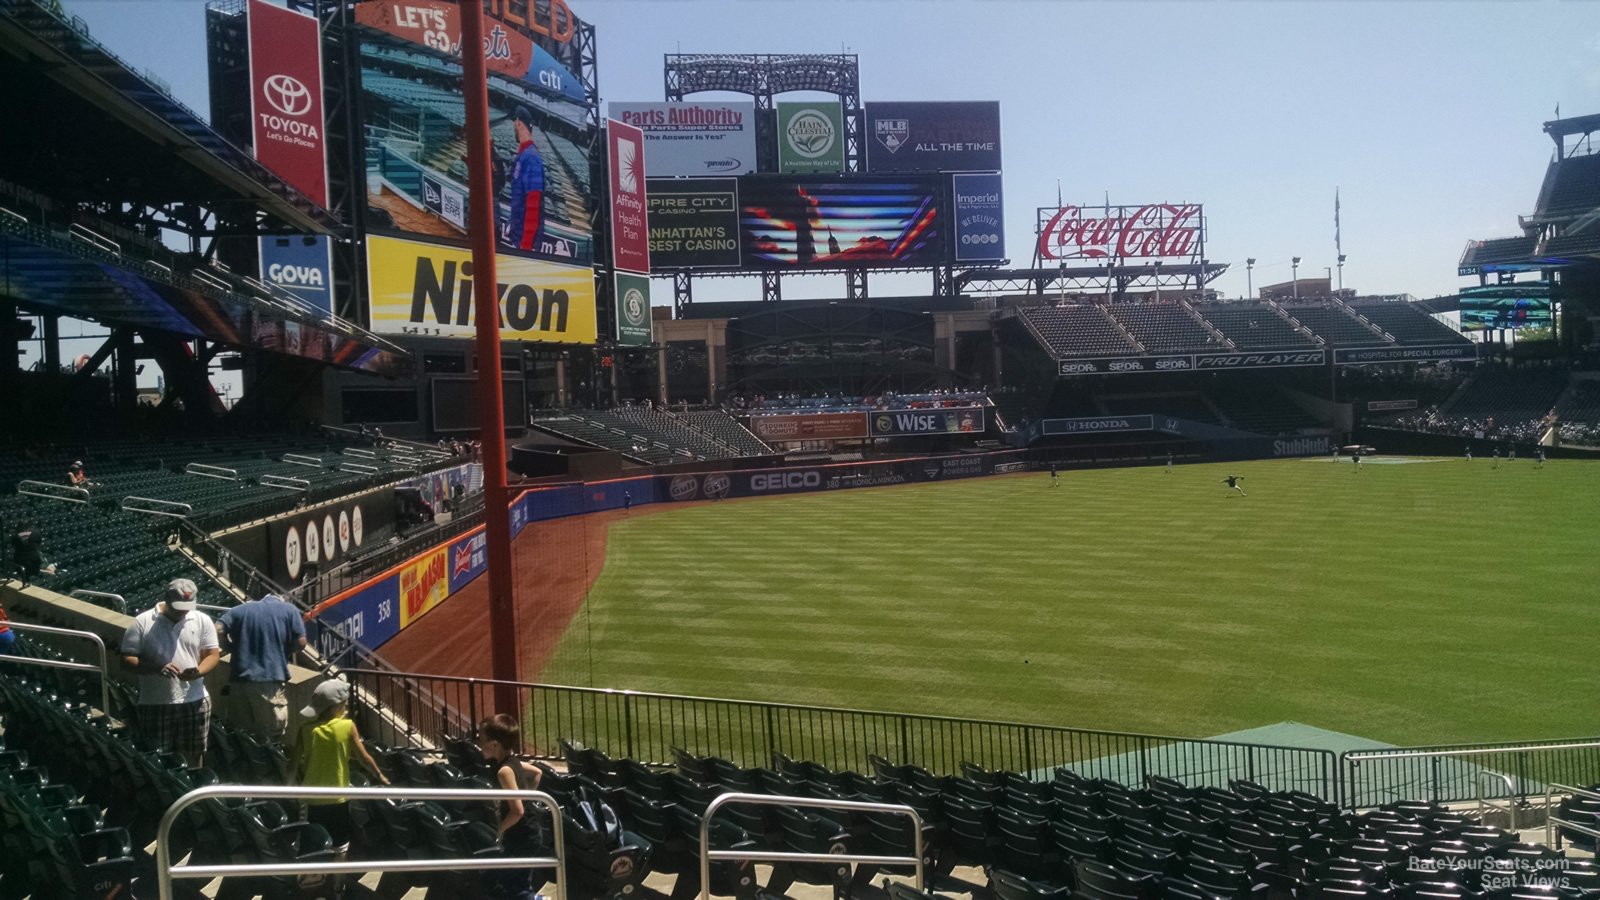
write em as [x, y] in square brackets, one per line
[472, 704]
[1433, 776]
[627, 724]
[1027, 751]
[905, 739]
[767, 710]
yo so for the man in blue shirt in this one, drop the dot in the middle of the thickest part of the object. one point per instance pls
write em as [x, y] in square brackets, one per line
[263, 635]
[521, 228]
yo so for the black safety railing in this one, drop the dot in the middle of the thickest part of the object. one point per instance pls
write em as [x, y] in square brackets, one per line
[647, 727]
[1451, 773]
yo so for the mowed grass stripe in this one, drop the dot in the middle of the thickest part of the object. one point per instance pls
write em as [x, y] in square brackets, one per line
[1411, 603]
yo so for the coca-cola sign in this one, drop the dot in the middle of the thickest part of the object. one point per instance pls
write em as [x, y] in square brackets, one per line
[1153, 231]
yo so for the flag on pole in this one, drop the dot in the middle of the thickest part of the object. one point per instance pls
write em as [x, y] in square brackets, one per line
[1338, 246]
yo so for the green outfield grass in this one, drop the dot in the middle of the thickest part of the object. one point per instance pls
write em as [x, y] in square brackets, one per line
[1417, 603]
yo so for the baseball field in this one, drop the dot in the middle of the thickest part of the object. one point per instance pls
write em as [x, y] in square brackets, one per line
[1412, 601]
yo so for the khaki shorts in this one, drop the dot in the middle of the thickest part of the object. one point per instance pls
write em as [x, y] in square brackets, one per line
[260, 707]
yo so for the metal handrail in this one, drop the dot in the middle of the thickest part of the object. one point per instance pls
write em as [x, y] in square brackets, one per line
[158, 507]
[80, 495]
[209, 471]
[103, 668]
[1551, 834]
[1511, 798]
[300, 459]
[166, 871]
[121, 601]
[707, 854]
[286, 482]
[1364, 755]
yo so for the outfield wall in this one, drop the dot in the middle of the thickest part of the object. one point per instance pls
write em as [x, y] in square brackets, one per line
[375, 611]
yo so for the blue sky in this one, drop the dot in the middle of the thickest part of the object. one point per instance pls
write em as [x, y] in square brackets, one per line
[1426, 115]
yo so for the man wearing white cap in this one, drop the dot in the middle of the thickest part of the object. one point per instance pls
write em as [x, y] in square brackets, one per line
[172, 646]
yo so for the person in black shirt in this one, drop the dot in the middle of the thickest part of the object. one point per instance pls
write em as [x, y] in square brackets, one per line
[521, 822]
[1055, 477]
[1232, 481]
[27, 551]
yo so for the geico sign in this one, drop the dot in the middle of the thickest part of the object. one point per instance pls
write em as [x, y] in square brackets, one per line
[785, 481]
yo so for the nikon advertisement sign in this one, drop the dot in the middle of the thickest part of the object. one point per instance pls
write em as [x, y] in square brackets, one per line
[426, 289]
[633, 310]
[810, 137]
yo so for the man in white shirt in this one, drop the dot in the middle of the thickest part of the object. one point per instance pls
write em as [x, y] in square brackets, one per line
[172, 646]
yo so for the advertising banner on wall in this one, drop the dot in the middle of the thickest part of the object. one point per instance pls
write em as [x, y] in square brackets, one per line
[1116, 365]
[933, 137]
[633, 310]
[694, 223]
[980, 228]
[286, 97]
[925, 421]
[1097, 425]
[810, 137]
[810, 427]
[1359, 355]
[630, 236]
[800, 222]
[424, 584]
[425, 289]
[694, 138]
[301, 266]
[316, 540]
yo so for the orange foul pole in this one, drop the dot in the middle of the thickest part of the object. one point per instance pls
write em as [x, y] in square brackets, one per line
[486, 309]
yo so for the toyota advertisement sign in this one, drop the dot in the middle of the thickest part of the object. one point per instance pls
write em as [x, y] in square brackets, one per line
[286, 118]
[694, 138]
[980, 231]
[933, 137]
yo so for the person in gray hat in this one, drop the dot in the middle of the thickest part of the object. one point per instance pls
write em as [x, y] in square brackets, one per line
[263, 635]
[172, 646]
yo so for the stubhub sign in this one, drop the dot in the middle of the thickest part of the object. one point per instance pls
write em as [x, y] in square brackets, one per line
[300, 265]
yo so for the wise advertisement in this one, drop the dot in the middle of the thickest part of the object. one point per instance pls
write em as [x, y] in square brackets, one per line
[980, 232]
[286, 110]
[925, 421]
[688, 139]
[933, 137]
[694, 223]
[427, 289]
[810, 137]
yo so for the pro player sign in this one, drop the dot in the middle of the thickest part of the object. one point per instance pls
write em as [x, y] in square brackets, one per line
[286, 97]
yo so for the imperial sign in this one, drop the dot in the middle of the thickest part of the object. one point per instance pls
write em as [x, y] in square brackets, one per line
[1157, 230]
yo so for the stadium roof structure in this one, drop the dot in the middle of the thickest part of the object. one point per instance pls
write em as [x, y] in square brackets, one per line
[82, 212]
[1564, 227]
[133, 143]
[1046, 279]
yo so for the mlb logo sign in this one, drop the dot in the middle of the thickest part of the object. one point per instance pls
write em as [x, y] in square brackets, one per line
[892, 133]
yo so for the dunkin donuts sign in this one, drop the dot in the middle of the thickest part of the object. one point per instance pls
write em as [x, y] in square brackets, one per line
[1153, 231]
